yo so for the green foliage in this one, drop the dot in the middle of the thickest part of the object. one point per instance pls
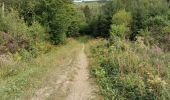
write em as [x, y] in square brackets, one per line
[59, 26]
[130, 71]
[73, 30]
[16, 36]
[62, 20]
[26, 22]
[118, 30]
[56, 17]
[92, 12]
[157, 21]
[87, 13]
[144, 33]
[13, 24]
[15, 32]
[120, 24]
[139, 13]
[37, 32]
[122, 17]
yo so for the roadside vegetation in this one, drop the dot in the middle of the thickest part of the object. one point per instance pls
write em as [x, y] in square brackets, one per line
[131, 71]
[133, 61]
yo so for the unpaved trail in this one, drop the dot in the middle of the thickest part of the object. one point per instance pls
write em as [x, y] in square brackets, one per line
[69, 82]
[81, 89]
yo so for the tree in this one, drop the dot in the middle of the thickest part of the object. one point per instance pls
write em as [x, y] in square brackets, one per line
[120, 24]
[87, 13]
[122, 17]
[118, 31]
[55, 15]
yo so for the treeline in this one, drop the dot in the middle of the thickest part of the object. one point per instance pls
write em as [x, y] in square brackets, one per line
[56, 16]
[147, 17]
[27, 24]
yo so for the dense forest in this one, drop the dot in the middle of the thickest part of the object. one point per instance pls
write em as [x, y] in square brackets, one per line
[127, 43]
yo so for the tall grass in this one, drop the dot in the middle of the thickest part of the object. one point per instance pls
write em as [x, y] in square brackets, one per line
[132, 71]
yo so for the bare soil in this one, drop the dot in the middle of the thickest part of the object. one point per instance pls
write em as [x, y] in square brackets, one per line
[81, 88]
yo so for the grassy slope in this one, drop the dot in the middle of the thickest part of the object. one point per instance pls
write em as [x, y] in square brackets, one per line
[17, 79]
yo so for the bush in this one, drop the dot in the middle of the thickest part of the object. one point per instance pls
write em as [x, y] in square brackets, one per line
[16, 36]
[118, 30]
[120, 24]
[37, 32]
[14, 32]
[15, 26]
[157, 21]
[73, 30]
[122, 17]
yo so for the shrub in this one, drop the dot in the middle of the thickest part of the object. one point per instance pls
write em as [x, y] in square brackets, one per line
[122, 17]
[157, 21]
[37, 32]
[16, 36]
[73, 30]
[14, 32]
[118, 30]
[15, 26]
[120, 24]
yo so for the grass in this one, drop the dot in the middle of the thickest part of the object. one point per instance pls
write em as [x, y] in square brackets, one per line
[125, 70]
[22, 78]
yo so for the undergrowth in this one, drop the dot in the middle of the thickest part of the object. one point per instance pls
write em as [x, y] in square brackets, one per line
[130, 71]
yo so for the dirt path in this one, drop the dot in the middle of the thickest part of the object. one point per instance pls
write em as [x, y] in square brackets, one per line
[81, 89]
[70, 82]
